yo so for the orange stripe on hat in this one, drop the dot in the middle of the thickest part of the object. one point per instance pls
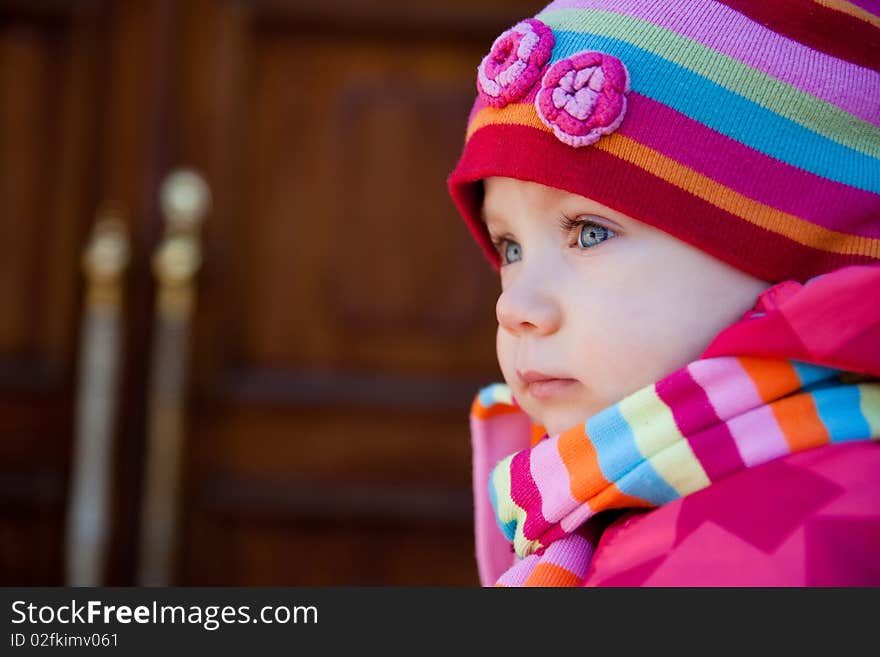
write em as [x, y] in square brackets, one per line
[851, 9]
[703, 187]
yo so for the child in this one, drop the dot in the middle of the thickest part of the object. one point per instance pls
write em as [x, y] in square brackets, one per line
[683, 200]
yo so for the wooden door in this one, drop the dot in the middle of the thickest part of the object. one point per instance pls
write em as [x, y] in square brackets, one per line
[45, 71]
[345, 320]
[81, 102]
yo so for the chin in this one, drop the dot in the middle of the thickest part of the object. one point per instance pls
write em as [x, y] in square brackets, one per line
[555, 429]
[555, 420]
[555, 425]
[563, 422]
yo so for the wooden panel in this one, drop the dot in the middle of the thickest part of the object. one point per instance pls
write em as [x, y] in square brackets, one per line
[345, 316]
[302, 133]
[353, 256]
[252, 551]
[82, 122]
[453, 21]
[47, 129]
[25, 132]
[30, 528]
[335, 446]
[45, 73]
[137, 57]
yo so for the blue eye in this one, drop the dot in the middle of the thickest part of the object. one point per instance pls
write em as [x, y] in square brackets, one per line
[592, 234]
[512, 251]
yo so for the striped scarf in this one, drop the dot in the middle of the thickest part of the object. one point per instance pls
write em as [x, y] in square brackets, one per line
[706, 421]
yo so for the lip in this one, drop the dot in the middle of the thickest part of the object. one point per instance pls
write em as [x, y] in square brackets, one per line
[545, 386]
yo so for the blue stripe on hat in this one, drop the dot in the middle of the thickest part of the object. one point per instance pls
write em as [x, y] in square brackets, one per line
[729, 113]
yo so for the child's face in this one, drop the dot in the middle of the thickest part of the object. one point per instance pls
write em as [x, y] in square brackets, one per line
[601, 308]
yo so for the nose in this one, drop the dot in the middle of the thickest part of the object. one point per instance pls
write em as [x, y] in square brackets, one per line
[528, 308]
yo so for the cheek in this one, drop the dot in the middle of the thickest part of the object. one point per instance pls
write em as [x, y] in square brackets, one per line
[622, 332]
[600, 332]
[654, 324]
[504, 348]
[686, 306]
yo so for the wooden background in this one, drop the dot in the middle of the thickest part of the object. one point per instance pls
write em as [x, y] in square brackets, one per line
[344, 319]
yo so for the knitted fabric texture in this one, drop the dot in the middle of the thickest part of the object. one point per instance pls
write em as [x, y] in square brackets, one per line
[706, 421]
[750, 130]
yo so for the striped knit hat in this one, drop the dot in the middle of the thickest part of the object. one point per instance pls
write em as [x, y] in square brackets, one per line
[750, 130]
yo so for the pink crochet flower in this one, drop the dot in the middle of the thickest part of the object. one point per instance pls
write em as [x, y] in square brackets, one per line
[514, 63]
[583, 97]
